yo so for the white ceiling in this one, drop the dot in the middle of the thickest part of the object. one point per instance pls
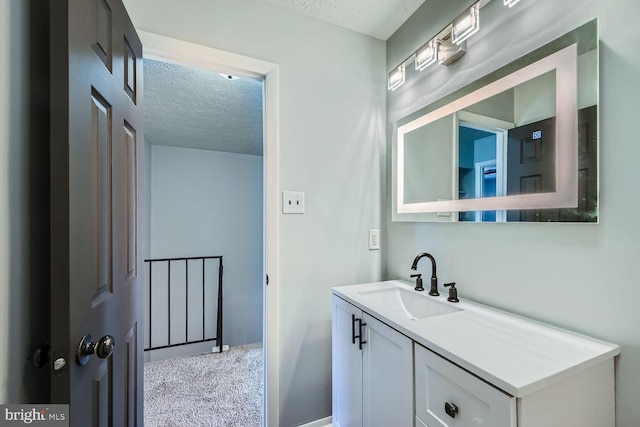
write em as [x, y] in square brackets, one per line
[376, 18]
[197, 108]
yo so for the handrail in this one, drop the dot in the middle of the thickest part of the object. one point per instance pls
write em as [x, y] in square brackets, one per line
[218, 337]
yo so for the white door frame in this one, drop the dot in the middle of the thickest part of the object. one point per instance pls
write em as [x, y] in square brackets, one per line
[501, 129]
[479, 181]
[180, 52]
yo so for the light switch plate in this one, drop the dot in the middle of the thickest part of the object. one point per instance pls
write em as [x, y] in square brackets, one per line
[374, 239]
[292, 202]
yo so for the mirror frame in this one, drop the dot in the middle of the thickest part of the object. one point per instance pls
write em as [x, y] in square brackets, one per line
[564, 62]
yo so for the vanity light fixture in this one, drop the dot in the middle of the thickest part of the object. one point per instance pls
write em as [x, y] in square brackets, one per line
[466, 24]
[396, 77]
[510, 3]
[449, 52]
[427, 54]
[445, 48]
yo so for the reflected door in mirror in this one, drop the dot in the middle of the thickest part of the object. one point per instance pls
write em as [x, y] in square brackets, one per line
[587, 176]
[531, 165]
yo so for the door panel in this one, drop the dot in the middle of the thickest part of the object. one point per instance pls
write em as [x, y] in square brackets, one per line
[96, 132]
[131, 185]
[102, 46]
[102, 395]
[347, 365]
[101, 249]
[130, 70]
[387, 376]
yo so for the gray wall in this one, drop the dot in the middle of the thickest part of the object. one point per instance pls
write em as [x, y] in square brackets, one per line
[209, 203]
[429, 145]
[24, 218]
[578, 276]
[331, 134]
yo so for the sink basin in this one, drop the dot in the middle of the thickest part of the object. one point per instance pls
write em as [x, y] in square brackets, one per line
[406, 303]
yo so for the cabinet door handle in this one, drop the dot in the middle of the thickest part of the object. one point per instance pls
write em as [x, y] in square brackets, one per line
[353, 328]
[360, 342]
[451, 409]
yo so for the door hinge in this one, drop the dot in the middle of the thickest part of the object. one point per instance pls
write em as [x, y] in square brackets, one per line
[267, 279]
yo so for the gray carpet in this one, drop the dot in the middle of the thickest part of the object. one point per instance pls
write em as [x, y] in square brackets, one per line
[213, 390]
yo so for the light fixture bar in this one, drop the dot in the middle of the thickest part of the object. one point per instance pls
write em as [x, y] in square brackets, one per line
[427, 55]
[510, 3]
[446, 47]
[396, 77]
[466, 24]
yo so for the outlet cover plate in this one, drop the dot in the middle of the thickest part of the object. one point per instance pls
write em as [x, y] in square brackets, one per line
[292, 202]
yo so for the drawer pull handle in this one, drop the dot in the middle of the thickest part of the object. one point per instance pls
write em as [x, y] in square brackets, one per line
[450, 409]
[353, 329]
[360, 341]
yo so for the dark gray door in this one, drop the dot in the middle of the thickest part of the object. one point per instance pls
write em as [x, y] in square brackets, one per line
[531, 166]
[96, 137]
[587, 169]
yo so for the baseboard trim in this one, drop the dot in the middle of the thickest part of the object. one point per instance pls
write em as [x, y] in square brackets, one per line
[325, 422]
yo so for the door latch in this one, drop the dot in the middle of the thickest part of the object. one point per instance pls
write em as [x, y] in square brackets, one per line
[41, 355]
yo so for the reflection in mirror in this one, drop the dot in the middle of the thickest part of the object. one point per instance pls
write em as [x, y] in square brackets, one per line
[506, 145]
[504, 152]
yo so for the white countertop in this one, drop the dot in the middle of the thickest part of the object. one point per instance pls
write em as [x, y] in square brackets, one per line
[514, 354]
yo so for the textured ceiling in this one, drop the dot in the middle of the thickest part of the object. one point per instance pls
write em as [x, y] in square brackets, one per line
[376, 18]
[196, 108]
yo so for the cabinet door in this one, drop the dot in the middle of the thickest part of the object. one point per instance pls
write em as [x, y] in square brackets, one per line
[387, 376]
[347, 365]
[448, 396]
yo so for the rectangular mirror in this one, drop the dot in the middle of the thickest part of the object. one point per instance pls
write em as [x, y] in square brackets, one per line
[517, 145]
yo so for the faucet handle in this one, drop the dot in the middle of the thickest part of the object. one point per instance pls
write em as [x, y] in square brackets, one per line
[419, 286]
[453, 292]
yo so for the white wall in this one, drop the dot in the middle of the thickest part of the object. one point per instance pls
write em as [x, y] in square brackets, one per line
[429, 144]
[331, 144]
[578, 276]
[535, 99]
[207, 203]
[24, 169]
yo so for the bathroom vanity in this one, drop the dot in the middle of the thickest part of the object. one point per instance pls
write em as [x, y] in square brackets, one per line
[404, 358]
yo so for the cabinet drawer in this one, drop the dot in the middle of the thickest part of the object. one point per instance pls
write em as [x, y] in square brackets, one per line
[440, 383]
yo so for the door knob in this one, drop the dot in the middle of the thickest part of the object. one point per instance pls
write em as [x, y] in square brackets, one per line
[102, 349]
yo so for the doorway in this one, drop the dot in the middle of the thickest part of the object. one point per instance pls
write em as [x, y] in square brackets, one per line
[204, 262]
[173, 51]
[481, 167]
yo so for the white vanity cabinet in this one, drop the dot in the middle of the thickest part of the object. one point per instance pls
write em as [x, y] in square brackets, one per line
[372, 371]
[402, 359]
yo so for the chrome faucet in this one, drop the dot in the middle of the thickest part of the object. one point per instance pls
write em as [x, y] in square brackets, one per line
[434, 279]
